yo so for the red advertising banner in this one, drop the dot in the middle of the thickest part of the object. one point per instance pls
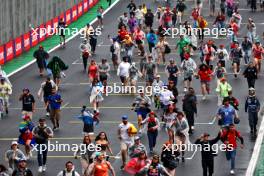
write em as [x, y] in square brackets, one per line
[2, 55]
[80, 9]
[34, 37]
[68, 16]
[85, 6]
[91, 3]
[26, 41]
[9, 50]
[74, 13]
[49, 29]
[42, 33]
[18, 46]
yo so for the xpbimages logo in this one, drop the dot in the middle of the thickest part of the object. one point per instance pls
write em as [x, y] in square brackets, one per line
[58, 147]
[67, 31]
[215, 148]
[212, 32]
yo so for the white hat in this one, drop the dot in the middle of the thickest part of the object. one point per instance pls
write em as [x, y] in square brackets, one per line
[14, 143]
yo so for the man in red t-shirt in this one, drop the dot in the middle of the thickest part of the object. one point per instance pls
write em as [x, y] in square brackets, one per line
[229, 137]
[205, 74]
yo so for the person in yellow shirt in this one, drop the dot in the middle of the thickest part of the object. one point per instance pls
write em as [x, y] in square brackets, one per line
[5, 91]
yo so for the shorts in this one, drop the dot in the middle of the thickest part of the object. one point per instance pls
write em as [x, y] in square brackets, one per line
[103, 78]
[123, 79]
[99, 17]
[124, 145]
[189, 78]
[5, 101]
[207, 83]
[235, 61]
[57, 76]
[142, 112]
[149, 78]
[29, 113]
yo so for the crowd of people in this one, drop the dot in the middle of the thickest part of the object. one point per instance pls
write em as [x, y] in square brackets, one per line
[138, 51]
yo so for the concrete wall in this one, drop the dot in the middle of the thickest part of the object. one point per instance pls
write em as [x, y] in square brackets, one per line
[16, 15]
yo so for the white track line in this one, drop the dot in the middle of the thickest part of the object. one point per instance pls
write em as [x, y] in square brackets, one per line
[67, 40]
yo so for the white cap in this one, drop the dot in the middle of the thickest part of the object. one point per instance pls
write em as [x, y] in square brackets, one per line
[14, 143]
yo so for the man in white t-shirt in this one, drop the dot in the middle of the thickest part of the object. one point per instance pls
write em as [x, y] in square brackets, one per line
[126, 140]
[123, 71]
[166, 96]
[69, 170]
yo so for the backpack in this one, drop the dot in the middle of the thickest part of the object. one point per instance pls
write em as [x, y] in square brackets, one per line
[64, 173]
[47, 89]
[112, 48]
[219, 73]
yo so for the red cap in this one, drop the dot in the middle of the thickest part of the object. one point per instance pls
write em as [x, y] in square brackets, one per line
[152, 113]
[26, 117]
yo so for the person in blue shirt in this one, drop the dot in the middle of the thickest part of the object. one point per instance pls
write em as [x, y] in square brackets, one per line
[252, 106]
[226, 114]
[54, 103]
[152, 39]
[89, 119]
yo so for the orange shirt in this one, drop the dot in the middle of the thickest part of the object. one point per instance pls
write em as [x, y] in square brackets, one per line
[101, 169]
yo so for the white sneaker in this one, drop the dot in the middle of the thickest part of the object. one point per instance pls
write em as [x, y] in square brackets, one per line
[192, 127]
[40, 169]
[47, 114]
[204, 97]
[44, 168]
[185, 89]
[232, 172]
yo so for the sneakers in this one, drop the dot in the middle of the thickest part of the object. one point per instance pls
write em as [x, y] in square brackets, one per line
[40, 169]
[47, 114]
[44, 168]
[204, 97]
[122, 167]
[232, 172]
[185, 89]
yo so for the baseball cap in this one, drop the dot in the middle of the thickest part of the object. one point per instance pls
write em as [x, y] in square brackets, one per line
[14, 143]
[136, 138]
[22, 159]
[152, 113]
[25, 117]
[158, 76]
[124, 117]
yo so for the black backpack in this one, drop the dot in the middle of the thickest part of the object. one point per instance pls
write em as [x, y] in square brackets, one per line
[112, 48]
[47, 89]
